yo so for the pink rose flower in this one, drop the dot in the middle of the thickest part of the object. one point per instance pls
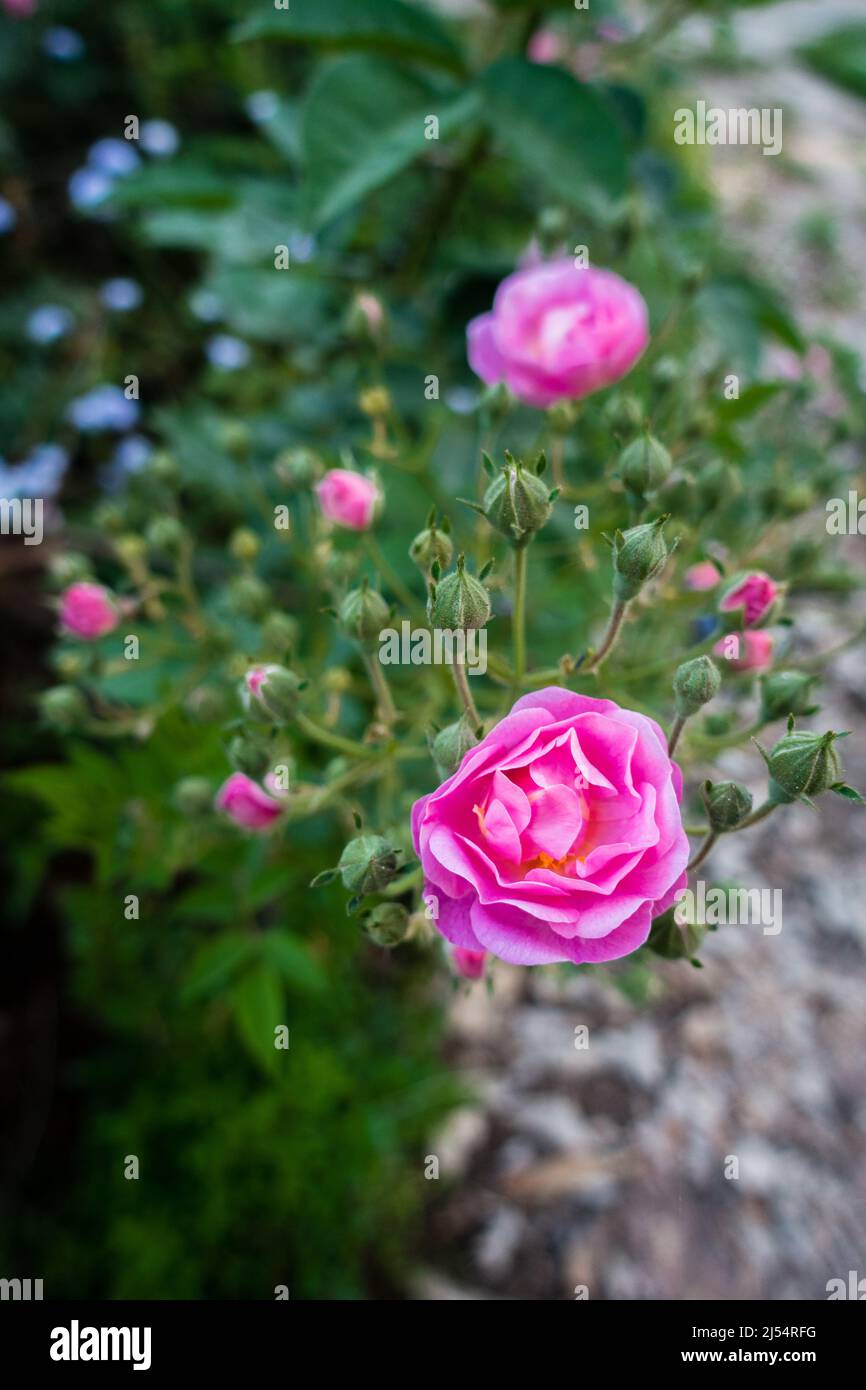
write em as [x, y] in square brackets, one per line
[545, 46]
[88, 611]
[755, 650]
[469, 964]
[348, 499]
[701, 577]
[246, 804]
[558, 332]
[559, 837]
[755, 594]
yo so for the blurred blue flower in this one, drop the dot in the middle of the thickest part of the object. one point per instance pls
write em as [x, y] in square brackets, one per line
[113, 157]
[159, 138]
[102, 408]
[8, 216]
[63, 44]
[38, 475]
[130, 456]
[704, 626]
[226, 352]
[48, 323]
[206, 306]
[461, 399]
[88, 188]
[262, 106]
[121, 294]
[302, 247]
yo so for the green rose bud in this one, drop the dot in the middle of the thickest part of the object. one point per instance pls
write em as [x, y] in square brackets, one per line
[279, 632]
[624, 412]
[297, 468]
[63, 707]
[244, 544]
[248, 595]
[717, 483]
[784, 693]
[250, 754]
[450, 746]
[430, 547]
[644, 465]
[459, 602]
[496, 402]
[695, 684]
[727, 804]
[363, 614]
[368, 864]
[639, 554]
[517, 503]
[672, 941]
[388, 924]
[271, 692]
[193, 796]
[803, 764]
[166, 533]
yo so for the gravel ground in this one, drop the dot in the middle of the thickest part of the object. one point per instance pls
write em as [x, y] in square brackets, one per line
[709, 1142]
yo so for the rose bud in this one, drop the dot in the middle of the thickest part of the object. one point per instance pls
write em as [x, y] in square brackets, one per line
[348, 499]
[296, 468]
[244, 545]
[432, 546]
[752, 597]
[450, 746]
[88, 611]
[517, 503]
[755, 651]
[249, 596]
[802, 765]
[558, 332]
[279, 632]
[366, 316]
[639, 554]
[246, 804]
[469, 964]
[459, 602]
[727, 804]
[165, 534]
[644, 465]
[784, 693]
[363, 614]
[695, 684]
[249, 755]
[193, 796]
[388, 924]
[271, 692]
[701, 577]
[673, 941]
[368, 864]
[63, 707]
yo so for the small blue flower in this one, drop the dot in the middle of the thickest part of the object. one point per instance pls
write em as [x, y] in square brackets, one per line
[103, 408]
[302, 247]
[159, 138]
[704, 627]
[8, 216]
[63, 44]
[462, 400]
[262, 106]
[206, 306]
[226, 352]
[113, 157]
[88, 188]
[40, 474]
[121, 294]
[48, 323]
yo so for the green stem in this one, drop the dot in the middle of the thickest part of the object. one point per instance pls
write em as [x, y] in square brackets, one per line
[378, 680]
[703, 851]
[676, 730]
[340, 745]
[759, 815]
[458, 671]
[610, 637]
[390, 577]
[519, 619]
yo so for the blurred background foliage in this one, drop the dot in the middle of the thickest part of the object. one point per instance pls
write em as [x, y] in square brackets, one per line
[304, 128]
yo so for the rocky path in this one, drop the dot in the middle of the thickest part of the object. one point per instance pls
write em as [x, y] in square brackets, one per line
[710, 1141]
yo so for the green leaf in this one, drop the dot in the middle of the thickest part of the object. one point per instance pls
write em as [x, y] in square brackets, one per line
[293, 961]
[391, 26]
[364, 121]
[850, 793]
[561, 130]
[215, 964]
[257, 1004]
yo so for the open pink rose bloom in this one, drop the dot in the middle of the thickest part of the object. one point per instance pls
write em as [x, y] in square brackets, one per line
[558, 332]
[559, 837]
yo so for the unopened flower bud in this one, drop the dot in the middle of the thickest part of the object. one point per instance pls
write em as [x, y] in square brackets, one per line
[368, 864]
[244, 544]
[366, 317]
[375, 402]
[751, 599]
[562, 416]
[496, 402]
[624, 412]
[675, 940]
[364, 613]
[517, 503]
[451, 745]
[271, 692]
[639, 554]
[695, 684]
[803, 764]
[388, 924]
[470, 964]
[297, 468]
[63, 707]
[784, 693]
[717, 483]
[193, 796]
[166, 533]
[459, 602]
[279, 632]
[727, 804]
[431, 546]
[644, 465]
[249, 596]
[250, 755]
